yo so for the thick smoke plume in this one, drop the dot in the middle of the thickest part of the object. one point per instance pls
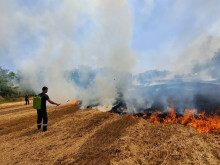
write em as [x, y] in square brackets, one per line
[78, 33]
[82, 50]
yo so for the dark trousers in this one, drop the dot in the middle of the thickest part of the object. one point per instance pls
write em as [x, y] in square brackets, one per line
[42, 114]
[27, 102]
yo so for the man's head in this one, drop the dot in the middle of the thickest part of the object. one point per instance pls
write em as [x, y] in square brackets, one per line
[45, 89]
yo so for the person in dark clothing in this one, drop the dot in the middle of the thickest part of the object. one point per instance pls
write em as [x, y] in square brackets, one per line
[42, 113]
[27, 99]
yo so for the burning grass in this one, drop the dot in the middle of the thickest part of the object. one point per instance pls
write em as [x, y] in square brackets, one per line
[202, 122]
[75, 102]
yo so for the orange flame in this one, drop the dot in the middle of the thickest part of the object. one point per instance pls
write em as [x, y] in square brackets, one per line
[75, 102]
[202, 122]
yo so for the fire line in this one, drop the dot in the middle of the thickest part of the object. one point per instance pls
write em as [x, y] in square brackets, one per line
[202, 122]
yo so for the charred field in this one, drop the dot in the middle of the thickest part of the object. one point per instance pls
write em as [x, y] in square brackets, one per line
[88, 136]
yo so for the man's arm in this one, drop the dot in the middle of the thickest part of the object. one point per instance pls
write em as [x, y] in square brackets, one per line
[51, 102]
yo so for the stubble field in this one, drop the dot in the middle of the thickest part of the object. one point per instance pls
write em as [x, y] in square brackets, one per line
[89, 136]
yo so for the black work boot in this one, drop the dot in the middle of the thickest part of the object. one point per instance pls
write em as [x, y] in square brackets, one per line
[38, 126]
[44, 128]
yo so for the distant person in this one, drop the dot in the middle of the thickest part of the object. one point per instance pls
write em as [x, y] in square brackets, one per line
[42, 113]
[27, 99]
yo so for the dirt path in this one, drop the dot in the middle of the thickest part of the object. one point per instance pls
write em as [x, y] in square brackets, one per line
[92, 137]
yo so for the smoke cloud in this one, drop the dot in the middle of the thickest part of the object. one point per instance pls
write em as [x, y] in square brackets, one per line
[67, 35]
[84, 50]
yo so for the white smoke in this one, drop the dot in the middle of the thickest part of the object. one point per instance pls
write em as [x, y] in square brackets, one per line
[45, 39]
[71, 33]
[200, 43]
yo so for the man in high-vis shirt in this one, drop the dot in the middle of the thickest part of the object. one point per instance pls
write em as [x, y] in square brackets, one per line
[42, 113]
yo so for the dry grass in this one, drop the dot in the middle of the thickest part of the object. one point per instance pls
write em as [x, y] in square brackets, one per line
[92, 137]
[12, 99]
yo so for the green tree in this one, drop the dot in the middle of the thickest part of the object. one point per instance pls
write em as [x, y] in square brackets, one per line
[6, 82]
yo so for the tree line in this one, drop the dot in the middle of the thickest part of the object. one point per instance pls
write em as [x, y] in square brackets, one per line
[9, 84]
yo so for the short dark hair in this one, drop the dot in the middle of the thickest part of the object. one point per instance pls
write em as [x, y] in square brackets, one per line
[44, 88]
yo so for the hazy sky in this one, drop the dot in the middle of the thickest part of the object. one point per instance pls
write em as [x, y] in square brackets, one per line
[166, 34]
